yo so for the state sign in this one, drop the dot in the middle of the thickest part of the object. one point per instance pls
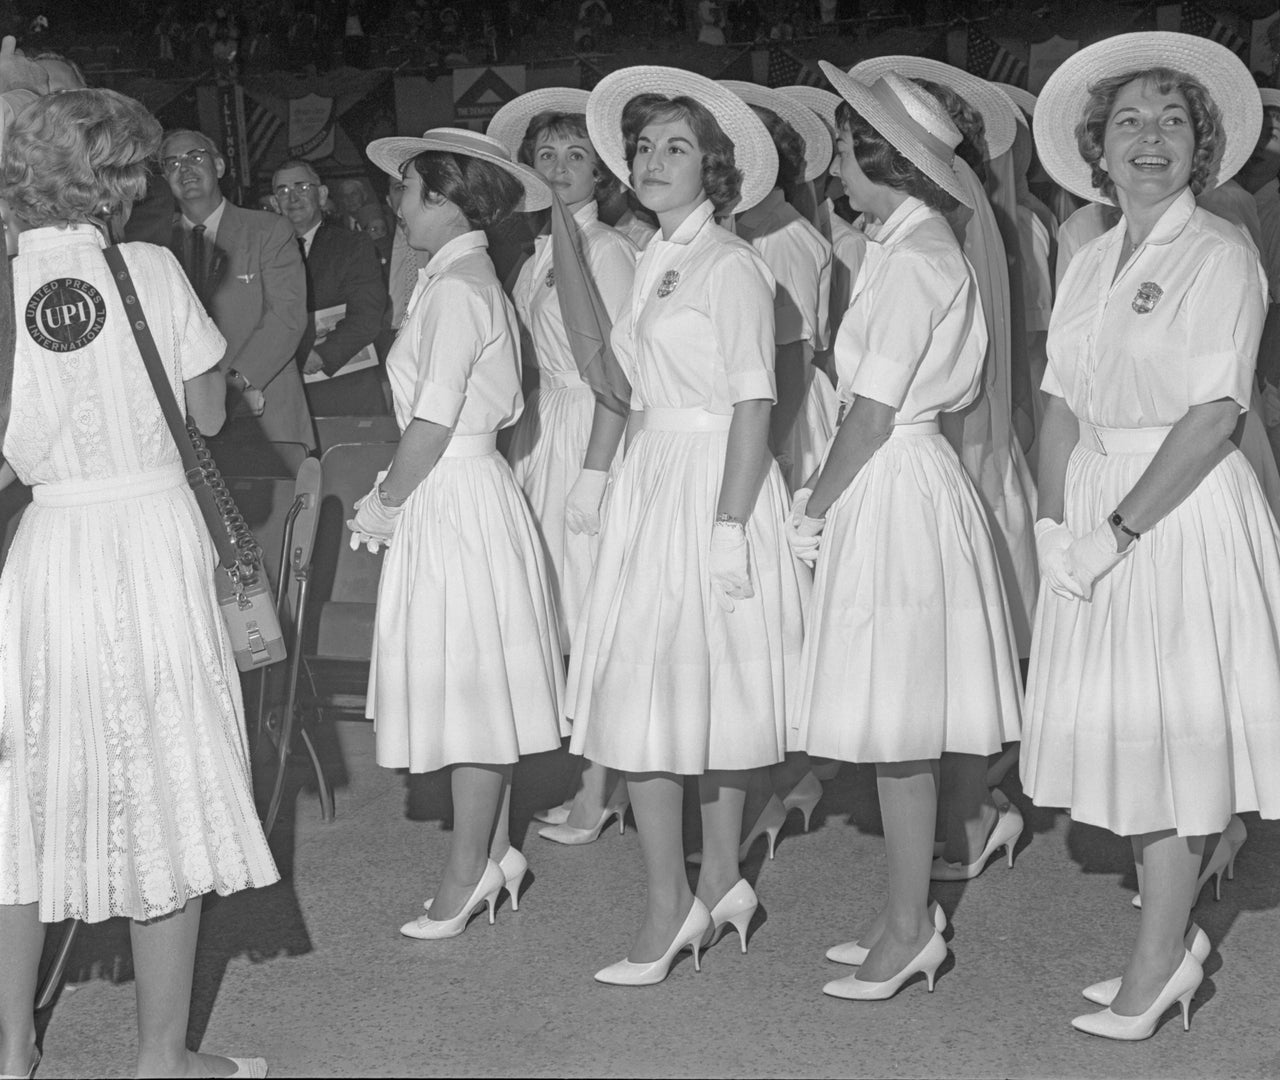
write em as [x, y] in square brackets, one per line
[478, 93]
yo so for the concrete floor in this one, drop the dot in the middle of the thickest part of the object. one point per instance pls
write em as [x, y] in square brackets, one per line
[312, 973]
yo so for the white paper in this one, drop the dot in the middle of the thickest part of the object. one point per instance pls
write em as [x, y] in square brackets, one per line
[326, 320]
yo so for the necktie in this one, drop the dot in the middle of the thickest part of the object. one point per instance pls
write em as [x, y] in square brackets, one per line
[302, 248]
[198, 260]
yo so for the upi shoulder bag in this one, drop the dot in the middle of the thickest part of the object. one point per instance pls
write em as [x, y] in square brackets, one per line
[244, 595]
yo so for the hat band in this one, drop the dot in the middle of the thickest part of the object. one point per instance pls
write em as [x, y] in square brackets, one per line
[892, 104]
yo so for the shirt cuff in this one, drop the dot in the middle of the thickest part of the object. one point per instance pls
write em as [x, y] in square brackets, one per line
[881, 381]
[439, 404]
[752, 386]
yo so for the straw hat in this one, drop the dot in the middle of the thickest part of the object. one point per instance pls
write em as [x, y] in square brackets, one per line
[817, 139]
[1270, 98]
[911, 119]
[1062, 101]
[823, 102]
[999, 119]
[753, 150]
[1022, 99]
[391, 154]
[510, 124]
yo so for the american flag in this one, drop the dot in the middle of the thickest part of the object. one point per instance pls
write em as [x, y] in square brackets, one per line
[787, 69]
[991, 60]
[261, 128]
[1196, 20]
[588, 74]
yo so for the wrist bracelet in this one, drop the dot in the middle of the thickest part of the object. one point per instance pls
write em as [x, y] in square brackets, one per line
[729, 519]
[1118, 522]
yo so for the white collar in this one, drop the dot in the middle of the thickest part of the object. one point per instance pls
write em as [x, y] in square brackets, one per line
[455, 249]
[210, 223]
[690, 226]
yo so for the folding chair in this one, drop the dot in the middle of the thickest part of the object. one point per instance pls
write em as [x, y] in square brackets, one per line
[252, 458]
[333, 430]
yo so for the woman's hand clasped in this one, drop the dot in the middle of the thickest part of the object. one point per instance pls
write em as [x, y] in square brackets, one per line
[730, 564]
[804, 533]
[374, 523]
[582, 507]
[1053, 541]
[1093, 555]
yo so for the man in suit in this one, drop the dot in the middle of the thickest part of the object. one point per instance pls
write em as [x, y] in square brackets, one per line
[246, 269]
[342, 268]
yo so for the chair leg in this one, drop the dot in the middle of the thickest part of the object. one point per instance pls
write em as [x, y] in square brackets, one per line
[327, 812]
[53, 978]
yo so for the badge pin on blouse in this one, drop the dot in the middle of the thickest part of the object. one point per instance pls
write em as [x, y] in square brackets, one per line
[1148, 296]
[550, 279]
[668, 284]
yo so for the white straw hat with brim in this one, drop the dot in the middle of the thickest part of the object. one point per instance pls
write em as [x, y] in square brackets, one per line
[1062, 102]
[1270, 98]
[810, 128]
[998, 118]
[753, 149]
[911, 119]
[822, 102]
[390, 155]
[511, 123]
[1022, 99]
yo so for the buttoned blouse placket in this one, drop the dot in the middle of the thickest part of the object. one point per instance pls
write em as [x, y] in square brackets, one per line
[532, 295]
[660, 258]
[1106, 291]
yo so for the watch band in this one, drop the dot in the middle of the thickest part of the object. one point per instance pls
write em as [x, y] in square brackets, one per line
[1118, 522]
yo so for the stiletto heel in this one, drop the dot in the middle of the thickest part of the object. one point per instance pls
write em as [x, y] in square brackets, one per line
[514, 866]
[736, 908]
[689, 936]
[854, 954]
[565, 833]
[1222, 860]
[491, 883]
[804, 797]
[1180, 988]
[1007, 831]
[1104, 993]
[770, 822]
[926, 962]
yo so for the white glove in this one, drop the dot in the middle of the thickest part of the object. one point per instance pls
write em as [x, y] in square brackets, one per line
[375, 521]
[804, 533]
[582, 508]
[1052, 542]
[730, 564]
[1270, 405]
[1093, 555]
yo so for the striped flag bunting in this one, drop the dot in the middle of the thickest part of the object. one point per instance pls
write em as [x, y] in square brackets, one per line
[1196, 20]
[787, 69]
[261, 127]
[988, 59]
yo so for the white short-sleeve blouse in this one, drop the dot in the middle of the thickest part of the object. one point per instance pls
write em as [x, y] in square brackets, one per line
[1179, 326]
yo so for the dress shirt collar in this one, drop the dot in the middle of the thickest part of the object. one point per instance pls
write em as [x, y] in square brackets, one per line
[1172, 221]
[457, 248]
[896, 223]
[50, 236]
[588, 212]
[210, 223]
[309, 237]
[690, 226]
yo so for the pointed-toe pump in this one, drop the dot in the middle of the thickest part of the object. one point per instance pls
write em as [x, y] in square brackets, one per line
[854, 954]
[487, 889]
[564, 833]
[689, 936]
[1104, 993]
[514, 867]
[926, 962]
[770, 822]
[1180, 989]
[35, 1064]
[1222, 861]
[1007, 831]
[249, 1067]
[804, 797]
[555, 815]
[736, 908]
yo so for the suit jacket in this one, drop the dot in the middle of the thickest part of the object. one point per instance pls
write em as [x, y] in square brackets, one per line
[342, 268]
[257, 294]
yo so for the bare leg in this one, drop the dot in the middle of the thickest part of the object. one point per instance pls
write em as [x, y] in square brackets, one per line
[501, 840]
[908, 805]
[968, 808]
[723, 795]
[477, 797]
[596, 786]
[1171, 864]
[759, 790]
[164, 960]
[657, 800]
[789, 772]
[21, 942]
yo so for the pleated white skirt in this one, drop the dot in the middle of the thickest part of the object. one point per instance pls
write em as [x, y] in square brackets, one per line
[909, 649]
[467, 663]
[124, 765]
[660, 677]
[1156, 705]
[814, 429]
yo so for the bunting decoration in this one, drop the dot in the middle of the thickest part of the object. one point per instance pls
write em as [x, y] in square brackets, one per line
[787, 69]
[988, 59]
[1196, 20]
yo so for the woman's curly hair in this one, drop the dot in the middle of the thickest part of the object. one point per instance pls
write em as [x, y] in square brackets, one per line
[882, 163]
[789, 144]
[721, 178]
[485, 193]
[1206, 123]
[77, 156]
[973, 129]
[565, 125]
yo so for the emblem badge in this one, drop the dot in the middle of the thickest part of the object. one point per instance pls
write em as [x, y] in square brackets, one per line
[65, 314]
[1148, 296]
[669, 282]
[550, 279]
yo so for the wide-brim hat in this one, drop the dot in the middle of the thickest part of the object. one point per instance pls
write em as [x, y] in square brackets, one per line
[911, 119]
[753, 150]
[389, 155]
[1023, 99]
[822, 102]
[1270, 98]
[998, 118]
[810, 128]
[510, 124]
[1062, 102]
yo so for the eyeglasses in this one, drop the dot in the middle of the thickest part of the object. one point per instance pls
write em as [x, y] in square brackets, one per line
[191, 157]
[302, 187]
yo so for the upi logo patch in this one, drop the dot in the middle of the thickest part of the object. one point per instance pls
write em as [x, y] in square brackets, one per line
[65, 314]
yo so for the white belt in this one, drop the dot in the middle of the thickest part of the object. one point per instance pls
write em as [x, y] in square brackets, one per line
[922, 427]
[109, 489]
[685, 420]
[1108, 440]
[471, 445]
[561, 380]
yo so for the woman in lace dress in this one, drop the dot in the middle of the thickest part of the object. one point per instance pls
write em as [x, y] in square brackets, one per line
[124, 767]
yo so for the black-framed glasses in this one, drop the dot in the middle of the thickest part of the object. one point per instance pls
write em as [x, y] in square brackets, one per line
[191, 157]
[302, 187]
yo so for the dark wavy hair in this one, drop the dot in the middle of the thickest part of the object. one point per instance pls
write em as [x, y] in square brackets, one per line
[973, 129]
[567, 126]
[789, 144]
[721, 178]
[485, 193]
[882, 163]
[1206, 123]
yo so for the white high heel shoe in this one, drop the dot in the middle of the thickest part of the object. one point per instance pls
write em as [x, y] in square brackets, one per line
[804, 797]
[1008, 829]
[564, 833]
[854, 954]
[555, 815]
[689, 936]
[1180, 988]
[491, 883]
[927, 960]
[514, 866]
[249, 1067]
[770, 822]
[1104, 993]
[35, 1064]
[735, 908]
[1223, 860]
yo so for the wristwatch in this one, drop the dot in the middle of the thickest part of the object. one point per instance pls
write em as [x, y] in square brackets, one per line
[1117, 522]
[239, 381]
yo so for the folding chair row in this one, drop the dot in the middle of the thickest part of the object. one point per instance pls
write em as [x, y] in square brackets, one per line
[338, 430]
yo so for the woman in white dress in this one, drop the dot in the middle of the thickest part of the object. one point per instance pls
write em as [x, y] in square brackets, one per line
[683, 662]
[547, 130]
[908, 650]
[124, 765]
[1151, 702]
[467, 669]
